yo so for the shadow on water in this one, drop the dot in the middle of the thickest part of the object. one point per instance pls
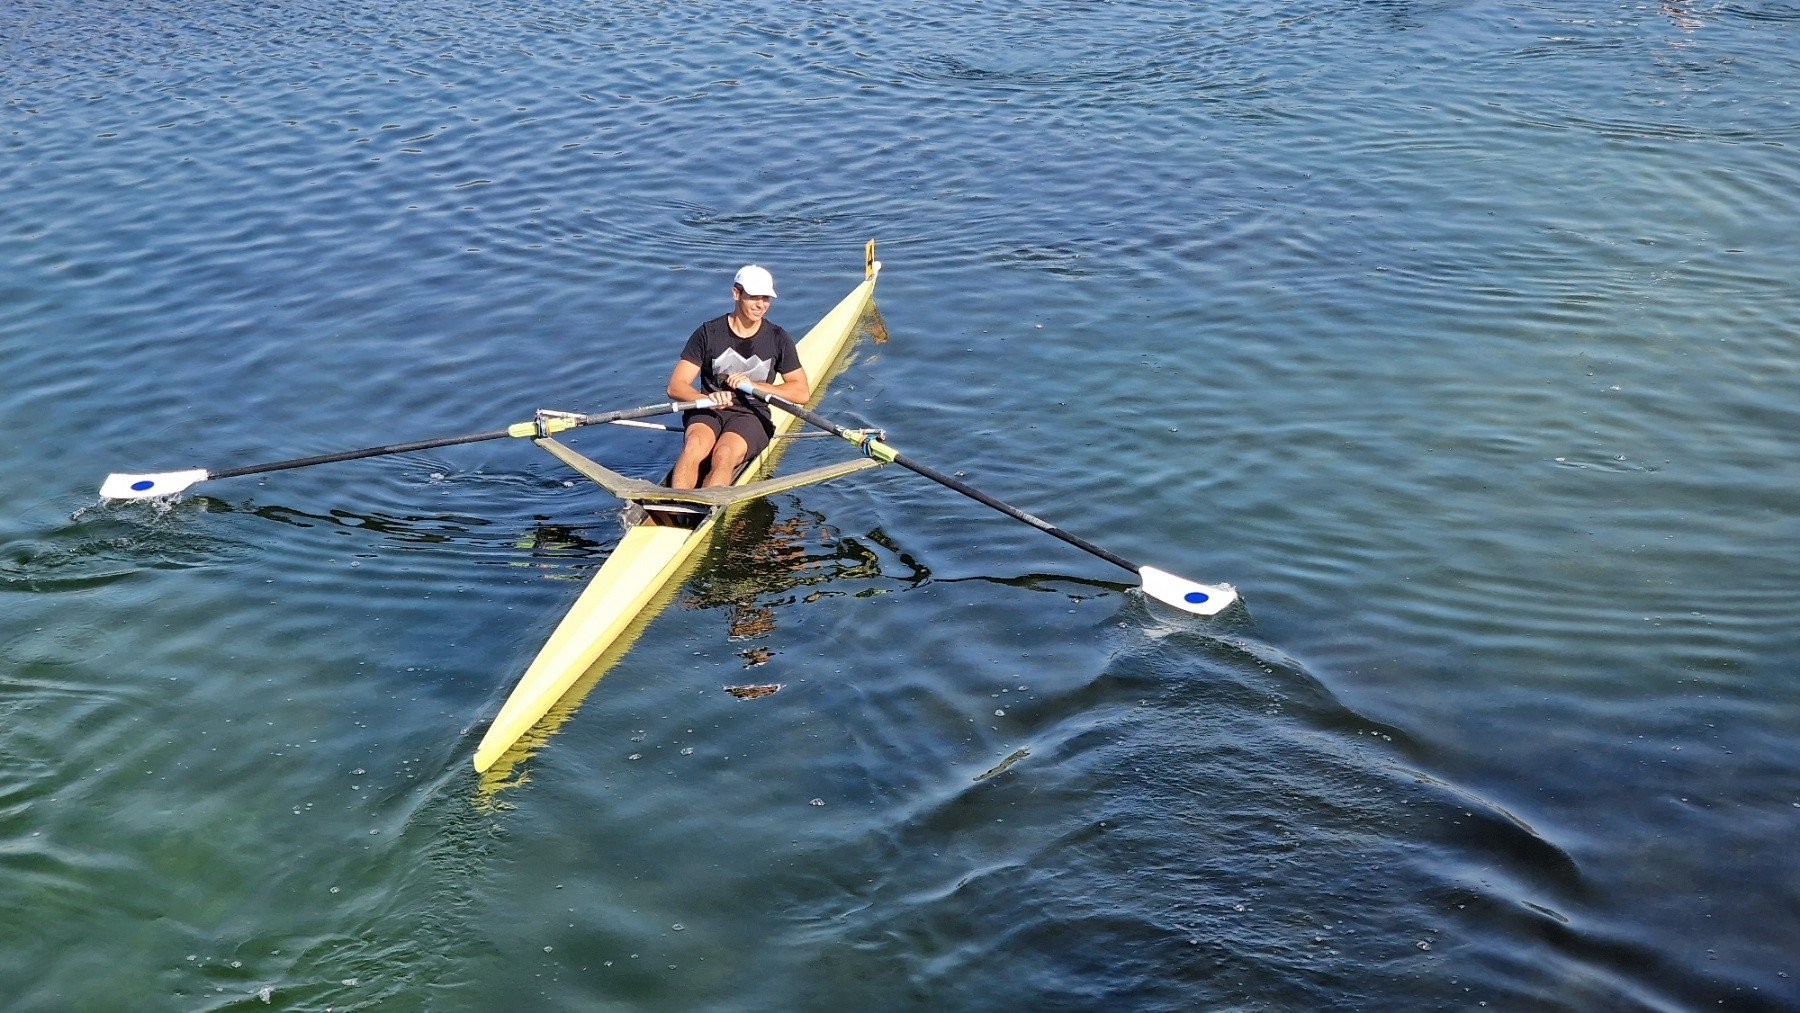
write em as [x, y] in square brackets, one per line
[173, 533]
[419, 528]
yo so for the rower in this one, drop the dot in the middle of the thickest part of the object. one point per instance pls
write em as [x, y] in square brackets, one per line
[743, 346]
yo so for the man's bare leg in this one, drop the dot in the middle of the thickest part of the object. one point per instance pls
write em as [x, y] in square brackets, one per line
[696, 447]
[727, 457]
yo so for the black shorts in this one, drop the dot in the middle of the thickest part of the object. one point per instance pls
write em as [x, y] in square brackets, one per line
[746, 424]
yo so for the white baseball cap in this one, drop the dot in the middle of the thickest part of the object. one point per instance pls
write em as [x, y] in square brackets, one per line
[755, 281]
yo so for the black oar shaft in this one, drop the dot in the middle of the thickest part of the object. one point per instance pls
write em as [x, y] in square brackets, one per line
[522, 429]
[881, 451]
[1014, 512]
[353, 455]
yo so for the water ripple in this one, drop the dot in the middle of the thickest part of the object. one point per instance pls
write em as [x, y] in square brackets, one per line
[1150, 745]
[1462, 338]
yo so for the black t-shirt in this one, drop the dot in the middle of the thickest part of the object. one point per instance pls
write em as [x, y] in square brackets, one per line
[763, 356]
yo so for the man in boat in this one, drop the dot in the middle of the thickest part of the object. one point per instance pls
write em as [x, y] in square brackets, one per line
[721, 354]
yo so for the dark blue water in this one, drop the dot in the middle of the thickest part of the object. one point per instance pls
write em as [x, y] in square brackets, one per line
[1460, 337]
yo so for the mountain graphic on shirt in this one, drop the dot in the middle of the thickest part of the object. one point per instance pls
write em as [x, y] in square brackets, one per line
[729, 363]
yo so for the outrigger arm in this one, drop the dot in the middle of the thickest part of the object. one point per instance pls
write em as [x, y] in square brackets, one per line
[637, 490]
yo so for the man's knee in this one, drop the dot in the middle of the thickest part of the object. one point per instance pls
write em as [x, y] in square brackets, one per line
[730, 450]
[699, 442]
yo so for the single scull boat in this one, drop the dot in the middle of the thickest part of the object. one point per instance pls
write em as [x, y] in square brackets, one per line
[651, 555]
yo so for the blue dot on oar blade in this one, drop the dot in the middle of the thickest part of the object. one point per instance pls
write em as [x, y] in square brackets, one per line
[1195, 597]
[143, 483]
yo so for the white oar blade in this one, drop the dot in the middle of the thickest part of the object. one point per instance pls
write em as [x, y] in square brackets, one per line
[121, 486]
[1187, 595]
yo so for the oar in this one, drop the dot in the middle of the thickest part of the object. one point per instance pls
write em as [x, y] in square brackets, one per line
[1184, 594]
[168, 483]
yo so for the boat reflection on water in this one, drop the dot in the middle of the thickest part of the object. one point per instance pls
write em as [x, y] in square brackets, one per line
[761, 557]
[763, 563]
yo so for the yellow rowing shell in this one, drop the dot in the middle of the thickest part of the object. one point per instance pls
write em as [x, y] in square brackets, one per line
[650, 557]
